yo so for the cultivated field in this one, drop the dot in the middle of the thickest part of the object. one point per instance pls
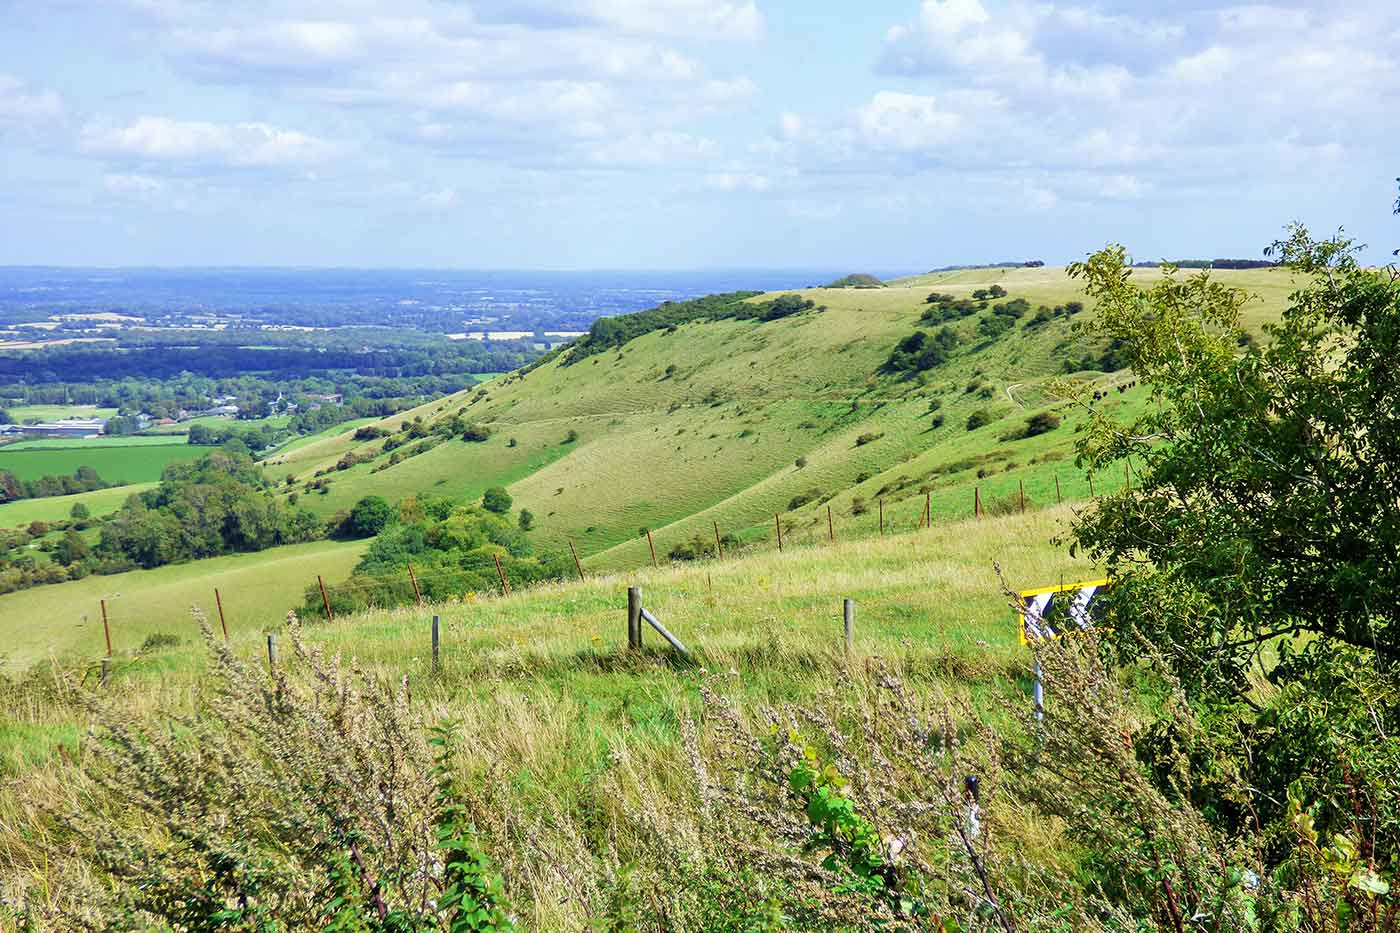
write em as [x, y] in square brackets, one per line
[99, 502]
[117, 460]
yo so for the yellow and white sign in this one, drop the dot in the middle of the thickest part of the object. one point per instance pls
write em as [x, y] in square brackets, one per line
[1058, 610]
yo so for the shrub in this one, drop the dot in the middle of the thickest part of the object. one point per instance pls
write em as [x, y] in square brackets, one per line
[1042, 423]
[527, 519]
[868, 438]
[156, 641]
[79, 512]
[497, 500]
[476, 433]
[369, 517]
[801, 499]
[800, 462]
[859, 506]
[979, 419]
[571, 437]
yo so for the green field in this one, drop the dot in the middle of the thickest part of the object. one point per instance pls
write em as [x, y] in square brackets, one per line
[334, 430]
[22, 413]
[114, 462]
[257, 591]
[83, 443]
[215, 421]
[55, 508]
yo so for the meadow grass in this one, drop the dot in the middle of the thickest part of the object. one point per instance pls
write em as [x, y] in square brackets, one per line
[114, 462]
[64, 619]
[50, 509]
[22, 413]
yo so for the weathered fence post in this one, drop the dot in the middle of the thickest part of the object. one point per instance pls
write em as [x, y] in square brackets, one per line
[719, 546]
[778, 525]
[830, 528]
[848, 618]
[102, 677]
[577, 565]
[651, 544]
[325, 599]
[634, 618]
[882, 516]
[218, 601]
[436, 662]
[977, 501]
[928, 508]
[1022, 484]
[106, 629]
[1058, 499]
[271, 652]
[417, 593]
[505, 586]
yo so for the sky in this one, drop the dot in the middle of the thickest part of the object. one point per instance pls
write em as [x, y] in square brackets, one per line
[677, 134]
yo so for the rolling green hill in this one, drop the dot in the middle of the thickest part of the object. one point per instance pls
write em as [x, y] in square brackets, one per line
[730, 419]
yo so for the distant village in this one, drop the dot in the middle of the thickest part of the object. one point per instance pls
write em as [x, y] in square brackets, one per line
[220, 407]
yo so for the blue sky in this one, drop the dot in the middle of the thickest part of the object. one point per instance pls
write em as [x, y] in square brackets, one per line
[889, 134]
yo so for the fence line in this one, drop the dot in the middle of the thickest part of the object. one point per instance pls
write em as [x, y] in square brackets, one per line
[415, 580]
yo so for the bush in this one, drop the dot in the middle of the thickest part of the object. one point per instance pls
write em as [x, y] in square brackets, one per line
[571, 437]
[79, 512]
[157, 641]
[1042, 423]
[801, 499]
[868, 438]
[369, 517]
[476, 433]
[800, 462]
[497, 500]
[527, 519]
[979, 419]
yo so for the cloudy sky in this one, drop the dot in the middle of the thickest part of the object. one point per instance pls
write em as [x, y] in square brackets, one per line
[888, 134]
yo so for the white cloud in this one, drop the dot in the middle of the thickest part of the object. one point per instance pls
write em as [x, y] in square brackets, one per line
[737, 181]
[20, 100]
[136, 186]
[196, 142]
[894, 120]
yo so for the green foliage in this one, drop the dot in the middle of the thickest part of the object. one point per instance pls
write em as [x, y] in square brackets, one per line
[979, 419]
[919, 352]
[1042, 423]
[477, 433]
[84, 479]
[1258, 539]
[471, 894]
[527, 520]
[856, 280]
[370, 516]
[497, 500]
[79, 512]
[853, 847]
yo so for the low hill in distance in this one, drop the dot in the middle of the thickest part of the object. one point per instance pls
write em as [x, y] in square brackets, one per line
[857, 280]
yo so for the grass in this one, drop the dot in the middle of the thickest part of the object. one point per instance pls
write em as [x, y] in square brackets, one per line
[54, 508]
[83, 443]
[559, 711]
[114, 462]
[65, 620]
[22, 413]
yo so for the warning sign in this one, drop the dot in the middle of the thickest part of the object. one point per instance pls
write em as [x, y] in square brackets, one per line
[1056, 610]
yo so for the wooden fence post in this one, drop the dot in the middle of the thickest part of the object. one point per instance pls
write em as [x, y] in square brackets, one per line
[719, 547]
[977, 501]
[651, 544]
[882, 516]
[848, 618]
[218, 601]
[436, 663]
[271, 652]
[778, 525]
[1058, 499]
[505, 586]
[417, 593]
[106, 629]
[830, 528]
[928, 508]
[1022, 484]
[634, 618]
[325, 599]
[577, 566]
[1091, 485]
[105, 670]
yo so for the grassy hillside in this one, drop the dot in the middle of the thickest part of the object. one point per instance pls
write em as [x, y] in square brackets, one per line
[705, 423]
[53, 508]
[731, 422]
[544, 682]
[65, 619]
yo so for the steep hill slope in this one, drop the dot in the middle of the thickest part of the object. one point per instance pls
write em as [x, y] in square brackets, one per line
[707, 422]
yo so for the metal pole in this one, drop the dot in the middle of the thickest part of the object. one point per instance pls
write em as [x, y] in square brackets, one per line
[1039, 693]
[436, 664]
[661, 630]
